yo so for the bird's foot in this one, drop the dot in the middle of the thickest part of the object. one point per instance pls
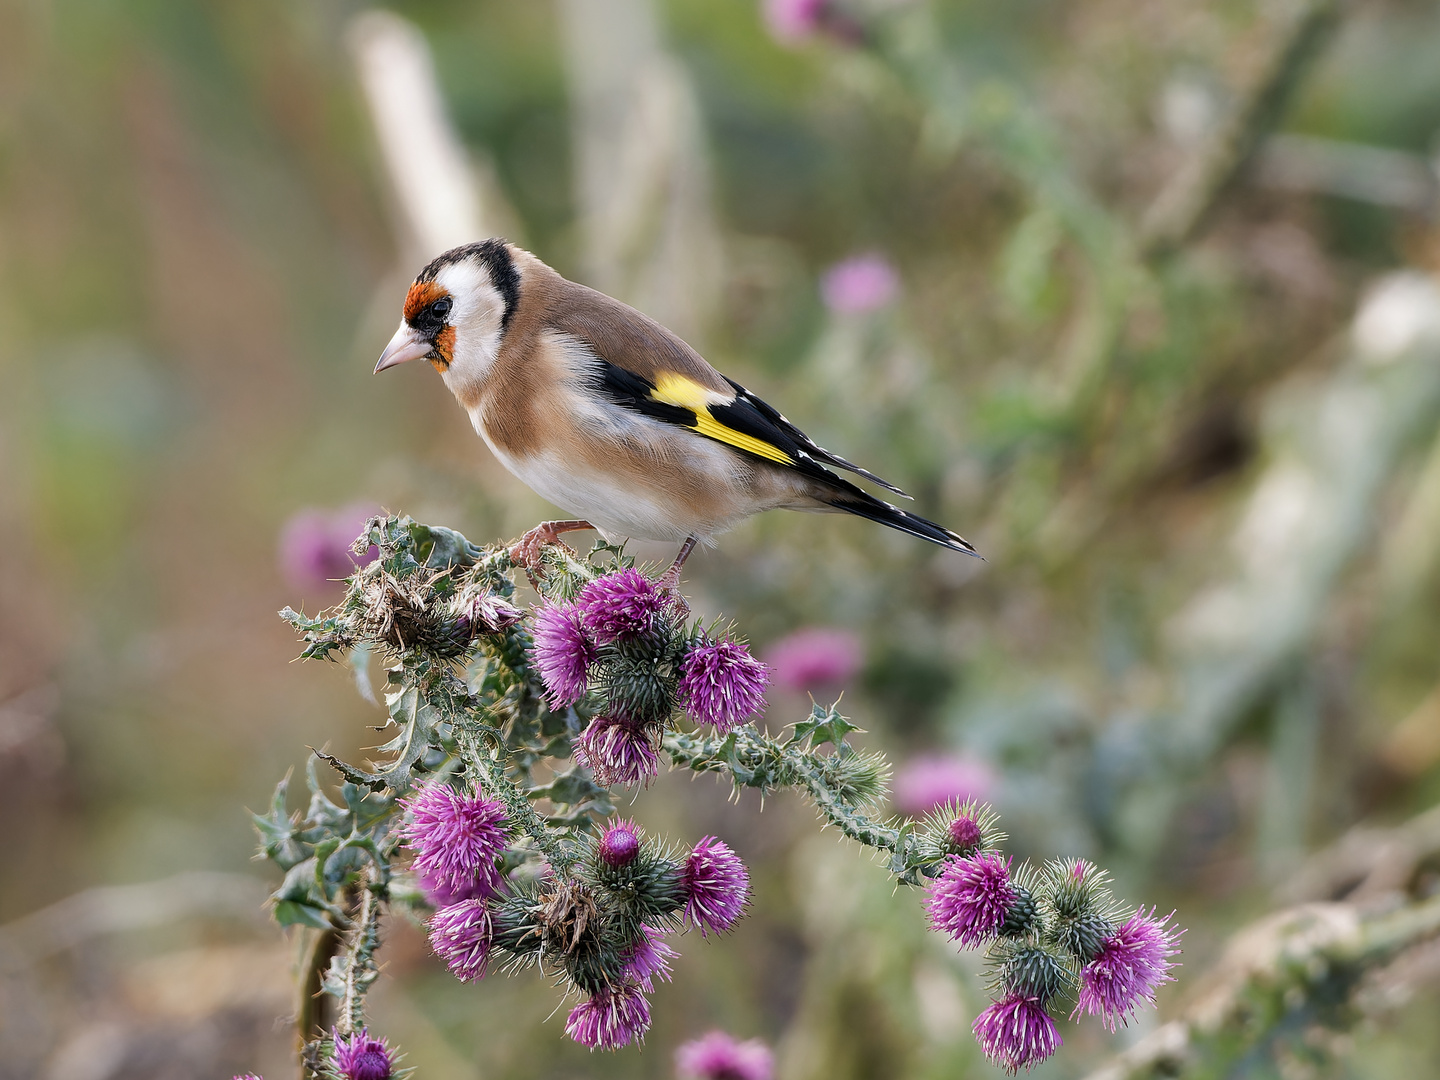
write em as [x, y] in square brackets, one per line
[527, 551]
[669, 582]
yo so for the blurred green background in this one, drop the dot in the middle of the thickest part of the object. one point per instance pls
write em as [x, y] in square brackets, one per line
[1165, 348]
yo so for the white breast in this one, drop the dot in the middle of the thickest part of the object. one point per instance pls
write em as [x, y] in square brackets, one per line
[619, 513]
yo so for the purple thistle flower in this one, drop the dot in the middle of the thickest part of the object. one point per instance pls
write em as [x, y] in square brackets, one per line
[360, 1057]
[969, 900]
[718, 1056]
[620, 605]
[610, 1019]
[620, 844]
[716, 886]
[617, 752]
[1016, 1032]
[815, 659]
[1131, 965]
[859, 284]
[456, 838]
[461, 935]
[965, 832]
[722, 684]
[930, 781]
[648, 958]
[562, 653]
[247, 1076]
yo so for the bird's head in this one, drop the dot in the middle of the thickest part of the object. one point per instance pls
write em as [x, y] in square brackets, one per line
[457, 311]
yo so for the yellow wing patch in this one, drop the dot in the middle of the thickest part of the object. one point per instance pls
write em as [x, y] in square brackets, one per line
[673, 389]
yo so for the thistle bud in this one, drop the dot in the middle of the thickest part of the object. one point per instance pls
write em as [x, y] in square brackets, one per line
[637, 678]
[359, 1057]
[620, 845]
[1033, 972]
[1021, 916]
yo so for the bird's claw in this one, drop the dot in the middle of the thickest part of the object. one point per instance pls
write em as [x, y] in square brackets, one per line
[528, 551]
[668, 585]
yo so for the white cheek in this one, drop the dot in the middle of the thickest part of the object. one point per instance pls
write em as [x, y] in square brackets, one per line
[472, 358]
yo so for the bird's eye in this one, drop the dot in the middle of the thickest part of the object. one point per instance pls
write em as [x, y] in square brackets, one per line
[440, 308]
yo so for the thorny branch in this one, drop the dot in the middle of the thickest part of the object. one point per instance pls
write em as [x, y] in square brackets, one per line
[1319, 965]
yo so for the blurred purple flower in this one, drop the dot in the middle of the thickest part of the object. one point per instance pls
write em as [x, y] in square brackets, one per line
[314, 546]
[718, 1056]
[791, 21]
[716, 886]
[620, 605]
[815, 659]
[456, 838]
[1016, 1032]
[247, 1076]
[648, 959]
[610, 1019]
[722, 684]
[359, 1057]
[1131, 965]
[441, 891]
[562, 653]
[969, 899]
[461, 935]
[620, 844]
[617, 752]
[859, 284]
[930, 781]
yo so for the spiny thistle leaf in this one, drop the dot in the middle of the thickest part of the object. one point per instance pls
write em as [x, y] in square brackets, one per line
[824, 725]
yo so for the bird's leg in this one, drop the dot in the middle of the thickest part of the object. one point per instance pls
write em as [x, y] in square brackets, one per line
[526, 552]
[670, 580]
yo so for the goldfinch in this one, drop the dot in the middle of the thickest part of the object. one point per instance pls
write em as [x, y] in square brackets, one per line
[610, 416]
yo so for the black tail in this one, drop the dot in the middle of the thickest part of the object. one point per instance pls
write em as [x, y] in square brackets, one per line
[853, 500]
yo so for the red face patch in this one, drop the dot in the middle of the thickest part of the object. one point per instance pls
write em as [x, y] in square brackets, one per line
[421, 295]
[444, 349]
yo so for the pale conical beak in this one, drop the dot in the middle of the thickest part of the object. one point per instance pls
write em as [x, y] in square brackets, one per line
[406, 345]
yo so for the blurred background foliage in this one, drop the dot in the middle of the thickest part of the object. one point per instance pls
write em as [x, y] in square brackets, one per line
[1163, 340]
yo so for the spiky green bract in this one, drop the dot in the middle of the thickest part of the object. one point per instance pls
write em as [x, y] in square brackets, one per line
[1075, 887]
[1080, 906]
[515, 924]
[1085, 936]
[597, 960]
[857, 776]
[1029, 969]
[963, 829]
[648, 890]
[1022, 917]
[638, 677]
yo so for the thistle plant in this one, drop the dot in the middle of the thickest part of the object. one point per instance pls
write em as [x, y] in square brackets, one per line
[491, 819]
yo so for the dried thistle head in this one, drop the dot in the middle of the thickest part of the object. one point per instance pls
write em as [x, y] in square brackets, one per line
[568, 915]
[406, 613]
